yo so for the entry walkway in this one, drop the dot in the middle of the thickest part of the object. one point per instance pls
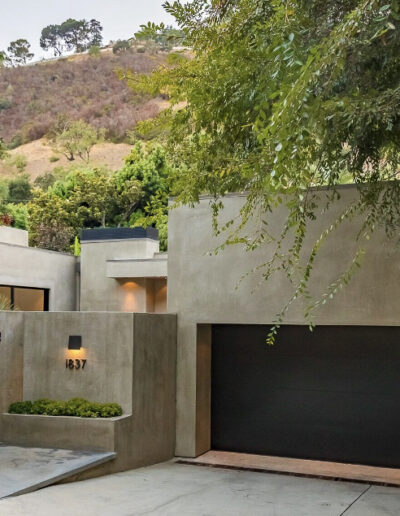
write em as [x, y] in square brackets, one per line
[23, 470]
[172, 489]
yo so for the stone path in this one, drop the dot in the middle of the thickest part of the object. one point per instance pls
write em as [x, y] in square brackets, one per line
[185, 490]
[26, 469]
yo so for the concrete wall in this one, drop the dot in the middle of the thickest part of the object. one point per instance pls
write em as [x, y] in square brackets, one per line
[14, 236]
[202, 289]
[131, 360]
[31, 267]
[107, 345]
[102, 293]
[11, 363]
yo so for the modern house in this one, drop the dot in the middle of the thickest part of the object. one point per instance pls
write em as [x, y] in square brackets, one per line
[120, 269]
[331, 394]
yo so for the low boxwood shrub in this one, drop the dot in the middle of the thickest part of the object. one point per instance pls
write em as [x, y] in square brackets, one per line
[74, 407]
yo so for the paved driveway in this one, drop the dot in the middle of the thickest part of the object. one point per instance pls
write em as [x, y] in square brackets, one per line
[178, 489]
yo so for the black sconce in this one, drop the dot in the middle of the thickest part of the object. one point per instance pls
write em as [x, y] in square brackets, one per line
[74, 342]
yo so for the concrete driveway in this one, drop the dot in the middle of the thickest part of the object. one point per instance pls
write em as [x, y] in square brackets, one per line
[179, 489]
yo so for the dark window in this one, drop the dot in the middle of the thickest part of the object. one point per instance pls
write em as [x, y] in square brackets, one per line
[27, 299]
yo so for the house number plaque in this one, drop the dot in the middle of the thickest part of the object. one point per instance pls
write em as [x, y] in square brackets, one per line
[75, 363]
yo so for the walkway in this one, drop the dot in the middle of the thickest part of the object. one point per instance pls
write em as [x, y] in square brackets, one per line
[183, 490]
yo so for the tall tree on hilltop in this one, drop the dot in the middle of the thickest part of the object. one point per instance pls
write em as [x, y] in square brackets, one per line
[51, 38]
[76, 35]
[19, 52]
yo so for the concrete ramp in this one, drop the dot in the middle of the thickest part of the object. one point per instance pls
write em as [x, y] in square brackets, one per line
[23, 470]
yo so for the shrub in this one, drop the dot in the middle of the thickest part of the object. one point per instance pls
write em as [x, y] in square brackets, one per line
[5, 104]
[20, 407]
[122, 45]
[53, 159]
[94, 51]
[74, 407]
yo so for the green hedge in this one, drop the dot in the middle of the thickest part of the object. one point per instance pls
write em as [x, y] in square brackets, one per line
[74, 407]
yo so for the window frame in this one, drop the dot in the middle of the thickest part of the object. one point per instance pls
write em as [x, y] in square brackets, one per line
[46, 294]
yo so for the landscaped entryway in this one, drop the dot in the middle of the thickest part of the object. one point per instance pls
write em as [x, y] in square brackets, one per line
[179, 490]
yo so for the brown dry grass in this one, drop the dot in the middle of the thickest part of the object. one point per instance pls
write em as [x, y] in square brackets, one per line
[33, 97]
[38, 154]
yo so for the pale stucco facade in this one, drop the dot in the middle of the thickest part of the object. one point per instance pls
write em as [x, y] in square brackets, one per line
[202, 291]
[122, 275]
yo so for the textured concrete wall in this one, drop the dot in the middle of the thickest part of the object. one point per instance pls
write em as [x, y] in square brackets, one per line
[65, 432]
[31, 267]
[100, 293]
[13, 236]
[11, 343]
[107, 345]
[202, 289]
[131, 360]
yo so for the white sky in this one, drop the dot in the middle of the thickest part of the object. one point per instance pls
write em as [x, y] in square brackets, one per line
[119, 18]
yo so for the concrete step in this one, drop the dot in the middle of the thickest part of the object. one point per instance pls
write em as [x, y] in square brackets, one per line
[24, 469]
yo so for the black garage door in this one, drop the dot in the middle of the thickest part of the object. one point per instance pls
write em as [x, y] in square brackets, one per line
[333, 394]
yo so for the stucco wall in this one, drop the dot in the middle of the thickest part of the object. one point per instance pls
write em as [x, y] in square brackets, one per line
[11, 342]
[131, 359]
[31, 267]
[202, 289]
[101, 293]
[107, 345]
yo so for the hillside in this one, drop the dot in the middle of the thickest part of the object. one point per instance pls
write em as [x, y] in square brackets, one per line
[40, 158]
[32, 98]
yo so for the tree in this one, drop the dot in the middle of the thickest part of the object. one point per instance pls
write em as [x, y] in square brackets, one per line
[76, 35]
[19, 189]
[122, 45]
[86, 198]
[94, 51]
[278, 98]
[152, 171]
[165, 36]
[19, 52]
[76, 138]
[51, 38]
[4, 59]
[80, 35]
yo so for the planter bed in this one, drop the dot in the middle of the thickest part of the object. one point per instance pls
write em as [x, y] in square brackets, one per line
[68, 432]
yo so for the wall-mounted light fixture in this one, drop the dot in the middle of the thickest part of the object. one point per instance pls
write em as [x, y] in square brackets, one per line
[74, 342]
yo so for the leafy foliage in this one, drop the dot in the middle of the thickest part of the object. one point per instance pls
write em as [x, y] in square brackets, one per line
[91, 197]
[280, 98]
[164, 36]
[19, 52]
[19, 189]
[78, 407]
[77, 35]
[122, 45]
[76, 138]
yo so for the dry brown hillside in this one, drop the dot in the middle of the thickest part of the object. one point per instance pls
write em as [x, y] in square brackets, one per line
[33, 97]
[39, 156]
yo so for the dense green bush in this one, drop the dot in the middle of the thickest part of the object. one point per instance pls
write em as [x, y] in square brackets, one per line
[74, 407]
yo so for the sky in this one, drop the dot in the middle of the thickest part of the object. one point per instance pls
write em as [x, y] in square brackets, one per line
[119, 18]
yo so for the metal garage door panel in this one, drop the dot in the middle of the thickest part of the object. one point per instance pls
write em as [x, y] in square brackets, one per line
[332, 394]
